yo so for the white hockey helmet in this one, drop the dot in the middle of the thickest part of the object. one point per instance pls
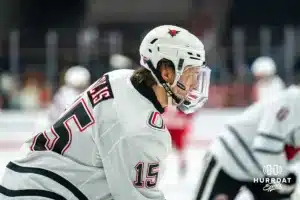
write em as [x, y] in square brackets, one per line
[77, 76]
[184, 50]
[263, 66]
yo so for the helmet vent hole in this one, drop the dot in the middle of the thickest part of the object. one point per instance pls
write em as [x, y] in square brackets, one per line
[150, 50]
[153, 41]
[194, 58]
[198, 55]
[190, 53]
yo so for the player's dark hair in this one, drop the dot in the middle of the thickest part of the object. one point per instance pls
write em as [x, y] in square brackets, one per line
[144, 75]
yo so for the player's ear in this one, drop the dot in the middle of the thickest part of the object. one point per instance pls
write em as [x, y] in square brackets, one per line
[168, 73]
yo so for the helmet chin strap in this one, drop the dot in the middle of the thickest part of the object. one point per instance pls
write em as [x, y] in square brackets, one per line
[170, 99]
[165, 85]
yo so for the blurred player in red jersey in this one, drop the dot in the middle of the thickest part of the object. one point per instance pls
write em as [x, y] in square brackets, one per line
[179, 125]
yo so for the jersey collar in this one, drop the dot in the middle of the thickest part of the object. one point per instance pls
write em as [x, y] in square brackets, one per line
[148, 93]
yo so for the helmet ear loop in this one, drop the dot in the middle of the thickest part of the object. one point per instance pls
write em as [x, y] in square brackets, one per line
[178, 84]
[170, 100]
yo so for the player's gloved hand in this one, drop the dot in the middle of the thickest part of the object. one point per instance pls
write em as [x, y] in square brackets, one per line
[288, 184]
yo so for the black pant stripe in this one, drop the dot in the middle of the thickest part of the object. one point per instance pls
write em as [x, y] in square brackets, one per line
[245, 146]
[30, 192]
[51, 175]
[204, 180]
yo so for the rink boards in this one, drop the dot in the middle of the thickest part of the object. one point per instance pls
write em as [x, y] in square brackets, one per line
[15, 127]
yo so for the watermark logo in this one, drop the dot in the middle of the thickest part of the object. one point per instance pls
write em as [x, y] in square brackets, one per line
[272, 170]
[272, 181]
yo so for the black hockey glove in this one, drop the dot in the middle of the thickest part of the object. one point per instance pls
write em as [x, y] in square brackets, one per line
[288, 184]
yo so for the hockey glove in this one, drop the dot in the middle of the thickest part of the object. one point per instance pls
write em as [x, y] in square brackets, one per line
[288, 184]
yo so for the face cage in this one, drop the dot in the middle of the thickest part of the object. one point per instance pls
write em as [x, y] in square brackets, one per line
[189, 104]
[196, 97]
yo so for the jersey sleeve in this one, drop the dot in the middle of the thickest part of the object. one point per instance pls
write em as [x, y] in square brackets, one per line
[269, 142]
[132, 167]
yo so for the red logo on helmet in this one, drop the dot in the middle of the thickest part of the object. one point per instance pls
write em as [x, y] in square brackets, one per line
[173, 32]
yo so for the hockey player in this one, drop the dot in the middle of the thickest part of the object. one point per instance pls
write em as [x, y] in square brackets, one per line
[253, 149]
[267, 83]
[109, 143]
[77, 79]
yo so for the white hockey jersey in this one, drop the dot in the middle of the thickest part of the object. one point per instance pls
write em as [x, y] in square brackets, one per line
[107, 145]
[257, 138]
[65, 96]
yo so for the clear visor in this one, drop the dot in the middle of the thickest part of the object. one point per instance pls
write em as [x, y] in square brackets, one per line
[192, 88]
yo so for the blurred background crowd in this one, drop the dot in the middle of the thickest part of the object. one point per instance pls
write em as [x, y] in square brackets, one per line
[40, 40]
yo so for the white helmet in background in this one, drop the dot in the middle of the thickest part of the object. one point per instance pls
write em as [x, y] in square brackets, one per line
[118, 61]
[78, 77]
[7, 82]
[183, 49]
[263, 66]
